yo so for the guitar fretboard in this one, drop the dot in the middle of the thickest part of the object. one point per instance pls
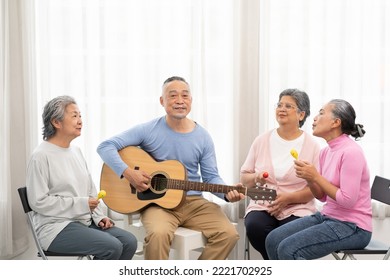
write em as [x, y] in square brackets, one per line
[198, 186]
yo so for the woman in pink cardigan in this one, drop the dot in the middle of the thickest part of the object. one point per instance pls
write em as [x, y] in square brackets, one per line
[342, 182]
[270, 153]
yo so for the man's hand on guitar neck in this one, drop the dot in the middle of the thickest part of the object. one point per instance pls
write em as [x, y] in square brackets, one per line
[234, 195]
[138, 179]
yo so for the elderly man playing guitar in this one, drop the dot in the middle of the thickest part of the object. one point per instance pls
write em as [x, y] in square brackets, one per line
[159, 160]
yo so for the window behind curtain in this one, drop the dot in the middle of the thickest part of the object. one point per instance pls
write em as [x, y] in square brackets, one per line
[332, 49]
[113, 56]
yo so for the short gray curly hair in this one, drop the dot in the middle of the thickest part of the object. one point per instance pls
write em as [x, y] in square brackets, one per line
[302, 100]
[54, 110]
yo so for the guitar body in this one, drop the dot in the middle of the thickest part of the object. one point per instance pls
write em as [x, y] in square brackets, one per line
[166, 188]
[123, 198]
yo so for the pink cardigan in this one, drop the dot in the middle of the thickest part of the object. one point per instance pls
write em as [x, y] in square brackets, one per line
[259, 160]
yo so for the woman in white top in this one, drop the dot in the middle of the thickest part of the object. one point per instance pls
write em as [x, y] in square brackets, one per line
[270, 152]
[67, 214]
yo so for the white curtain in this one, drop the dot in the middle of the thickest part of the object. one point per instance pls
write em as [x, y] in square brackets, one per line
[16, 125]
[332, 49]
[114, 55]
[5, 190]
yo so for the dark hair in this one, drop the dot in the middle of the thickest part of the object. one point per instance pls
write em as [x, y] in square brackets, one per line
[344, 111]
[54, 110]
[302, 100]
[174, 78]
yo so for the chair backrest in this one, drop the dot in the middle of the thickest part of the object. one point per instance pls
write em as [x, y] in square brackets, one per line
[23, 197]
[27, 209]
[380, 190]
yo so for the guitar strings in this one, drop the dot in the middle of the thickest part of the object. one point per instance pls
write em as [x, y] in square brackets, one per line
[161, 183]
[158, 181]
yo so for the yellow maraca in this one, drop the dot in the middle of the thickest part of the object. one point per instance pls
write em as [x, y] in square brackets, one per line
[101, 194]
[294, 153]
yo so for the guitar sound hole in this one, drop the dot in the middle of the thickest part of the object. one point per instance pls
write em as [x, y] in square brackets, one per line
[159, 182]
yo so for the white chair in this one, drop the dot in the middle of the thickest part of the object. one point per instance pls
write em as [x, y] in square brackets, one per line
[185, 240]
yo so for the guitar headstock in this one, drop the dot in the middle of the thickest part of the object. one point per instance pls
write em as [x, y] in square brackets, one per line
[261, 193]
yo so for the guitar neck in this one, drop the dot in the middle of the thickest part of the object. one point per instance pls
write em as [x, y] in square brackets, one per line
[199, 186]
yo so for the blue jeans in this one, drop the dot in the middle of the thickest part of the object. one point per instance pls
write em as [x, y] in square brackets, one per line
[313, 237]
[104, 244]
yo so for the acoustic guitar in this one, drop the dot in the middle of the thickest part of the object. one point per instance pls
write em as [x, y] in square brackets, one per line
[167, 186]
